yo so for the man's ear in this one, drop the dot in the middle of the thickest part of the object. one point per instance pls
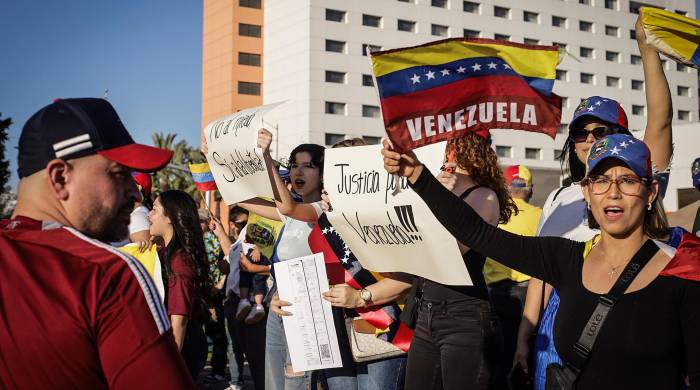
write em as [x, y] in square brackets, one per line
[58, 174]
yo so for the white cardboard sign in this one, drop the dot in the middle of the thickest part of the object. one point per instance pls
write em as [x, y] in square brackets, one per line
[236, 162]
[390, 231]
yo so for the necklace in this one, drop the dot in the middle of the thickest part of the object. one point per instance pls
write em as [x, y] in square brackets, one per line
[613, 269]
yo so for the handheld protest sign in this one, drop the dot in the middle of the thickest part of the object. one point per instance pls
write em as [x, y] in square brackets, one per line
[444, 89]
[389, 231]
[236, 163]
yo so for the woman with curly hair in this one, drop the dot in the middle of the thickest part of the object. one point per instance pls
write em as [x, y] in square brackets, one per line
[188, 287]
[456, 340]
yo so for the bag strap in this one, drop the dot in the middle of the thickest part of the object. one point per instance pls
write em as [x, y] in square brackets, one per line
[584, 345]
[469, 191]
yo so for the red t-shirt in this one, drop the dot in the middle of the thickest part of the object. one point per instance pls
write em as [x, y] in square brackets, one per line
[77, 314]
[181, 296]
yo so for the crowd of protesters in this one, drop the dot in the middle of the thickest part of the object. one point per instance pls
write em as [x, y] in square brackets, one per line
[77, 313]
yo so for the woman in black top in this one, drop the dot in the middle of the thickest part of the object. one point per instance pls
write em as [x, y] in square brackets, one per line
[456, 342]
[651, 338]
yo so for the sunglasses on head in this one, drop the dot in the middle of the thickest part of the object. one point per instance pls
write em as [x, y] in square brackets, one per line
[581, 135]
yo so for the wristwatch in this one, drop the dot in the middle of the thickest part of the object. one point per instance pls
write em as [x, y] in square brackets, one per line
[366, 296]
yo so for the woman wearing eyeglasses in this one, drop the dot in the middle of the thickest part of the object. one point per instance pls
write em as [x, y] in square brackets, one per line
[564, 212]
[650, 337]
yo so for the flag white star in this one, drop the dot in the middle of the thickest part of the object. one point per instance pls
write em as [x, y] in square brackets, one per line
[461, 69]
[345, 259]
[331, 229]
[347, 252]
[598, 103]
[631, 141]
[325, 230]
[430, 75]
[614, 150]
[590, 109]
[492, 65]
[506, 66]
[445, 72]
[415, 78]
[476, 67]
[624, 144]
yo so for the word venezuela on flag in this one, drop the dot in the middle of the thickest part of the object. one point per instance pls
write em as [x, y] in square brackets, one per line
[443, 89]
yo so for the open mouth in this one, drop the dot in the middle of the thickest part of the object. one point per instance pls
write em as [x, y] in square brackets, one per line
[298, 183]
[613, 213]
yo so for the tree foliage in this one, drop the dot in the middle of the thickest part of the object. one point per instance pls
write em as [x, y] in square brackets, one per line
[4, 164]
[176, 175]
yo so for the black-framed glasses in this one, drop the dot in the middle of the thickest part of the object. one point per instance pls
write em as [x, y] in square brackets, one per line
[581, 135]
[240, 224]
[626, 184]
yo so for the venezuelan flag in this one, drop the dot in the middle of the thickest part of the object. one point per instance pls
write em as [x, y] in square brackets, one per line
[442, 89]
[675, 35]
[202, 177]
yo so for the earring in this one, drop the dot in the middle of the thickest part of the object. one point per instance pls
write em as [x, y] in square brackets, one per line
[588, 206]
[649, 206]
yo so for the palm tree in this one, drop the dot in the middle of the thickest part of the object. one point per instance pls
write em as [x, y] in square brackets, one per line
[176, 175]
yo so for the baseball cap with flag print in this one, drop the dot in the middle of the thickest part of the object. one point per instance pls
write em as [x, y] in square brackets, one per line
[629, 150]
[518, 176]
[604, 109]
[74, 128]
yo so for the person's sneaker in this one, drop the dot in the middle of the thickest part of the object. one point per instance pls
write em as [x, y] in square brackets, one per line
[255, 315]
[214, 378]
[243, 309]
[235, 386]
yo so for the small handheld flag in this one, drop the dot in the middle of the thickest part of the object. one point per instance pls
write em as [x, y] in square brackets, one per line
[675, 35]
[443, 89]
[202, 177]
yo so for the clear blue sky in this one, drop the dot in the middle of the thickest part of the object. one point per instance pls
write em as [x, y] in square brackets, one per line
[147, 53]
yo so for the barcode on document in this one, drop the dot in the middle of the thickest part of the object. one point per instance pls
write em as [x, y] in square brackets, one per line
[325, 351]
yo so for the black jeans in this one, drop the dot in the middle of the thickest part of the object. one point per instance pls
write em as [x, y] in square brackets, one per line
[216, 331]
[455, 346]
[249, 341]
[195, 348]
[508, 300]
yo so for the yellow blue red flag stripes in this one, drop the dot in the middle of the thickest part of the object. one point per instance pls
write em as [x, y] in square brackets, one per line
[443, 89]
[675, 35]
[202, 177]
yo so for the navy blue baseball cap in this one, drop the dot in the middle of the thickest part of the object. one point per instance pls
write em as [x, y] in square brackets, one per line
[74, 128]
[604, 109]
[695, 169]
[631, 151]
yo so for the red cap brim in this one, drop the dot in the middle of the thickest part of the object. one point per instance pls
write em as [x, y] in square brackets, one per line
[142, 158]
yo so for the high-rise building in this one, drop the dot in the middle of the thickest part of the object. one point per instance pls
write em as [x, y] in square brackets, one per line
[315, 60]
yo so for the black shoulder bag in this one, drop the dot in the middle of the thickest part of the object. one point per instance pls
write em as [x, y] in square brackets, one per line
[564, 377]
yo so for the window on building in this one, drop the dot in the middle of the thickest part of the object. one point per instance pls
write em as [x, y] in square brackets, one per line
[335, 77]
[564, 101]
[406, 1]
[439, 3]
[563, 128]
[371, 48]
[246, 88]
[586, 52]
[371, 20]
[681, 67]
[531, 17]
[335, 46]
[586, 78]
[250, 3]
[249, 30]
[635, 6]
[371, 140]
[335, 108]
[470, 6]
[682, 91]
[556, 155]
[406, 25]
[681, 12]
[471, 33]
[637, 85]
[439, 30]
[611, 4]
[611, 31]
[562, 75]
[663, 64]
[561, 45]
[584, 2]
[635, 59]
[633, 34]
[334, 138]
[533, 153]
[334, 15]
[370, 111]
[585, 26]
[501, 12]
[613, 82]
[683, 115]
[502, 37]
[559, 21]
[504, 151]
[612, 56]
[530, 41]
[367, 80]
[637, 110]
[250, 59]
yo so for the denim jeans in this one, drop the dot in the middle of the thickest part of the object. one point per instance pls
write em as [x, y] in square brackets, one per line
[246, 342]
[386, 374]
[455, 346]
[278, 374]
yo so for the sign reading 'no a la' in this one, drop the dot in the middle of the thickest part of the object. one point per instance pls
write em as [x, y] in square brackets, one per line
[236, 162]
[389, 231]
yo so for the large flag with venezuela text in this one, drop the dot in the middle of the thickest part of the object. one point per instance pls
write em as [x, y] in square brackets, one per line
[443, 89]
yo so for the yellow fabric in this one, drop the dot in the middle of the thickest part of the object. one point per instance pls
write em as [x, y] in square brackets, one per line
[675, 35]
[525, 224]
[150, 261]
[200, 168]
[526, 61]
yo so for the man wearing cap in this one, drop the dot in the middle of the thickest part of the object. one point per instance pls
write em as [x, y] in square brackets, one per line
[74, 312]
[507, 287]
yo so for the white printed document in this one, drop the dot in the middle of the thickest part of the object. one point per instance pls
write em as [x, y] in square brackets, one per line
[310, 331]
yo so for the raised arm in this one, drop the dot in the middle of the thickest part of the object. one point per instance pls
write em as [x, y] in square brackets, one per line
[657, 134]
